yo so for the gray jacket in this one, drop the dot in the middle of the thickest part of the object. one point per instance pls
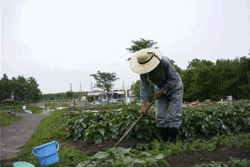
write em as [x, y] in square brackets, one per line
[165, 78]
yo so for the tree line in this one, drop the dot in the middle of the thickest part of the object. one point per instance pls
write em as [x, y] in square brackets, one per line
[203, 79]
[63, 96]
[20, 89]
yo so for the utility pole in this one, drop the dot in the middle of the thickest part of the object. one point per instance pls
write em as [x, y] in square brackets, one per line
[70, 93]
[80, 93]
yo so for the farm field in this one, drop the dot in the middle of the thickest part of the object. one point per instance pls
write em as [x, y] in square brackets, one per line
[207, 134]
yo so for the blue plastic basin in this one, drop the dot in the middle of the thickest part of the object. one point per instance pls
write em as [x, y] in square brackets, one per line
[47, 153]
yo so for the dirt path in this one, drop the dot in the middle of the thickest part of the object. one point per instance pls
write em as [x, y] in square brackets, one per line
[19, 133]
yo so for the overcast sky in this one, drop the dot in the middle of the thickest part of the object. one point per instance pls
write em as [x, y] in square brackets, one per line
[59, 42]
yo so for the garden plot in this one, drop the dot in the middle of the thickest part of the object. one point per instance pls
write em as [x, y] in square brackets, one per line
[93, 132]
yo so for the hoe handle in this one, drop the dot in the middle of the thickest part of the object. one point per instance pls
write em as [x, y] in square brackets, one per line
[134, 124]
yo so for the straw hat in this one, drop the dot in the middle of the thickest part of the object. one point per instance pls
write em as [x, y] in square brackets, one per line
[145, 60]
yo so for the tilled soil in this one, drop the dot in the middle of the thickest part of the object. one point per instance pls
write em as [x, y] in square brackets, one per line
[186, 160]
[90, 148]
[189, 159]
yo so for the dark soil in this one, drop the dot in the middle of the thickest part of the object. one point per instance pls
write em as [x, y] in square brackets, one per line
[202, 157]
[188, 159]
[90, 148]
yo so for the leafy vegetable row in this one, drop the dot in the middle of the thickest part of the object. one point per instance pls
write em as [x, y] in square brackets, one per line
[123, 157]
[145, 155]
[234, 162]
[213, 120]
[108, 125]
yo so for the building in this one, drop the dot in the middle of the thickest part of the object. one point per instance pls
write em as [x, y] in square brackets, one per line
[120, 94]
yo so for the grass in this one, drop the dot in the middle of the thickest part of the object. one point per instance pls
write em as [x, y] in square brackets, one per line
[19, 108]
[6, 119]
[49, 130]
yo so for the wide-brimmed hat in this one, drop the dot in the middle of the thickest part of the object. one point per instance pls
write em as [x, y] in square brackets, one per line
[145, 60]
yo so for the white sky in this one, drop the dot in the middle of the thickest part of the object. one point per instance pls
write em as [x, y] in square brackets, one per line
[59, 42]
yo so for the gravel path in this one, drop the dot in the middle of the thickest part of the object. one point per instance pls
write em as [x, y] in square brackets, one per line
[19, 133]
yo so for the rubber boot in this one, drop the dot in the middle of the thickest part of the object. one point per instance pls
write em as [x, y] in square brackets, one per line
[164, 133]
[172, 133]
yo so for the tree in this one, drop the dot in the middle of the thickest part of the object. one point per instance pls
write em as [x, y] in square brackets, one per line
[104, 80]
[135, 87]
[198, 80]
[69, 94]
[141, 44]
[178, 69]
[245, 75]
[19, 88]
[5, 77]
[5, 87]
[136, 46]
[91, 98]
[33, 91]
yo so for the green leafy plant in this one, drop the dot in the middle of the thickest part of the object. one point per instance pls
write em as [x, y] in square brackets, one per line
[108, 124]
[234, 162]
[123, 157]
[213, 120]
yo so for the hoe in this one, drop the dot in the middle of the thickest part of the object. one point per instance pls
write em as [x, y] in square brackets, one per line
[134, 124]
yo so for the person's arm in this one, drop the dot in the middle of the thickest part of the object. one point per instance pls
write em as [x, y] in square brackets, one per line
[144, 89]
[171, 73]
[144, 92]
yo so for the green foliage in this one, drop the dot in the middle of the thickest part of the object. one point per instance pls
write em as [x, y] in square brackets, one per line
[204, 79]
[234, 162]
[106, 106]
[104, 80]
[178, 69]
[141, 44]
[213, 120]
[135, 87]
[19, 108]
[62, 96]
[104, 125]
[196, 146]
[90, 98]
[108, 125]
[21, 88]
[123, 157]
[136, 90]
[69, 94]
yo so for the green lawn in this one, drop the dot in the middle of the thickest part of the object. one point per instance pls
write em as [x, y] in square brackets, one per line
[7, 119]
[19, 108]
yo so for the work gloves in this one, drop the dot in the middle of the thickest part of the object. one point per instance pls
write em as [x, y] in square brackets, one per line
[143, 105]
[158, 94]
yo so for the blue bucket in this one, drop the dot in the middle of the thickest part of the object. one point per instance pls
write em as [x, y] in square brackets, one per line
[47, 153]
